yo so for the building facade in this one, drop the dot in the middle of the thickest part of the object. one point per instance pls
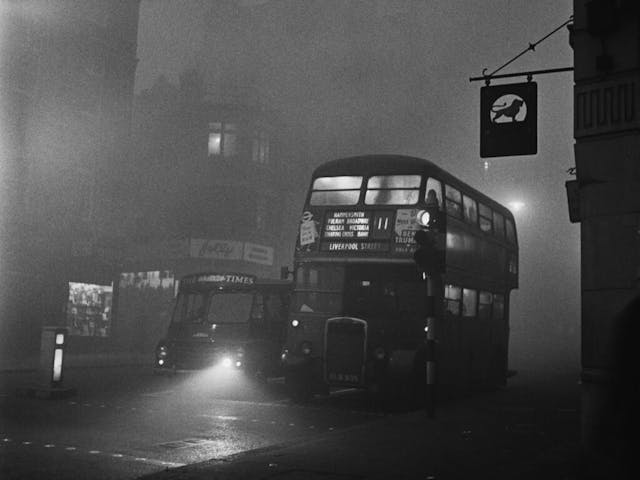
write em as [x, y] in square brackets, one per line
[67, 78]
[209, 187]
[606, 39]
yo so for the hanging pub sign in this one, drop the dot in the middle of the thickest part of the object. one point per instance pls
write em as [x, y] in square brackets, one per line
[508, 120]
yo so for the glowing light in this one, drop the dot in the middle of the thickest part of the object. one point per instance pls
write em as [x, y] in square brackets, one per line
[379, 353]
[516, 205]
[161, 362]
[423, 217]
[226, 362]
[306, 348]
[238, 364]
[59, 338]
[57, 365]
[295, 323]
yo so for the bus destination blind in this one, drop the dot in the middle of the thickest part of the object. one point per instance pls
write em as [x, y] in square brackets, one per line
[350, 232]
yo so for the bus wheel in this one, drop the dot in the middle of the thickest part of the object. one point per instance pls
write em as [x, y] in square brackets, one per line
[259, 376]
[298, 390]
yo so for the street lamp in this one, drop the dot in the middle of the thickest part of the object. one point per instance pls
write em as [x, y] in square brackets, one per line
[516, 206]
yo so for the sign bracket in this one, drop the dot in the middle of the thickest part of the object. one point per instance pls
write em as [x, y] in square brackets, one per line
[532, 46]
[529, 74]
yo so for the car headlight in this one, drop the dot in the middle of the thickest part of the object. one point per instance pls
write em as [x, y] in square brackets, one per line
[162, 352]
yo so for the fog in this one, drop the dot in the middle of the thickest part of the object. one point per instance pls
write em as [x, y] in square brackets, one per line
[392, 76]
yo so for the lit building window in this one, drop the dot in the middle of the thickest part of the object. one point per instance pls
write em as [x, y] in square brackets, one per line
[222, 139]
[260, 149]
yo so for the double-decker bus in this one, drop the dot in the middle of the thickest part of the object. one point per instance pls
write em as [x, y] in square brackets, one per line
[231, 320]
[358, 310]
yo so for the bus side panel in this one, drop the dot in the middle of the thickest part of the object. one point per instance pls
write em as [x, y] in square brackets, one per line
[474, 253]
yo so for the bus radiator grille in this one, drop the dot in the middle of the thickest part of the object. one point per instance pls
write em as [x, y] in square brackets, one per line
[344, 351]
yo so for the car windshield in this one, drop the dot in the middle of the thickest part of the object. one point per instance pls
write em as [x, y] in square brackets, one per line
[213, 307]
[230, 308]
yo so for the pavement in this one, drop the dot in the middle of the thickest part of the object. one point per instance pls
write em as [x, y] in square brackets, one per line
[528, 430]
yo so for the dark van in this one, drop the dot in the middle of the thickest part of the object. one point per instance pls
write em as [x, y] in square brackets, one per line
[227, 320]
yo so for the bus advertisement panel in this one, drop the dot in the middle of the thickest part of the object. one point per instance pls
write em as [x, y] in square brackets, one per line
[359, 303]
[226, 319]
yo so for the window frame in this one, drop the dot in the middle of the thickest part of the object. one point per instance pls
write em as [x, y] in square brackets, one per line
[325, 192]
[228, 139]
[453, 297]
[510, 231]
[260, 147]
[486, 216]
[434, 184]
[413, 189]
[473, 295]
[498, 232]
[471, 219]
[485, 304]
[453, 204]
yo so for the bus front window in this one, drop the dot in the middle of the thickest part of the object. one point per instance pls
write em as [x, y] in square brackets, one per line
[318, 289]
[393, 302]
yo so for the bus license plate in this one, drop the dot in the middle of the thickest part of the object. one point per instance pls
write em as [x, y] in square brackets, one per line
[344, 377]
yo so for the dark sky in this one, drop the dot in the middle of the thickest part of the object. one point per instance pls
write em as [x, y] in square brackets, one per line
[375, 76]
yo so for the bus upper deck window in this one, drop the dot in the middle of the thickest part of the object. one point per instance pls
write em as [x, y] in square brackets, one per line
[393, 190]
[434, 187]
[498, 225]
[342, 190]
[470, 210]
[343, 197]
[337, 183]
[454, 201]
[486, 219]
[511, 231]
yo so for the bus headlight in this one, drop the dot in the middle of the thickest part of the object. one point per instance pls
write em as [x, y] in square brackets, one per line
[226, 362]
[305, 348]
[423, 218]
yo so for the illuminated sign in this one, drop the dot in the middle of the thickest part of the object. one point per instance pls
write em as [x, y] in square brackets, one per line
[353, 246]
[226, 278]
[352, 225]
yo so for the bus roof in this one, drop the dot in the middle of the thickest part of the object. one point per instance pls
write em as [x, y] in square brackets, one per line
[385, 164]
